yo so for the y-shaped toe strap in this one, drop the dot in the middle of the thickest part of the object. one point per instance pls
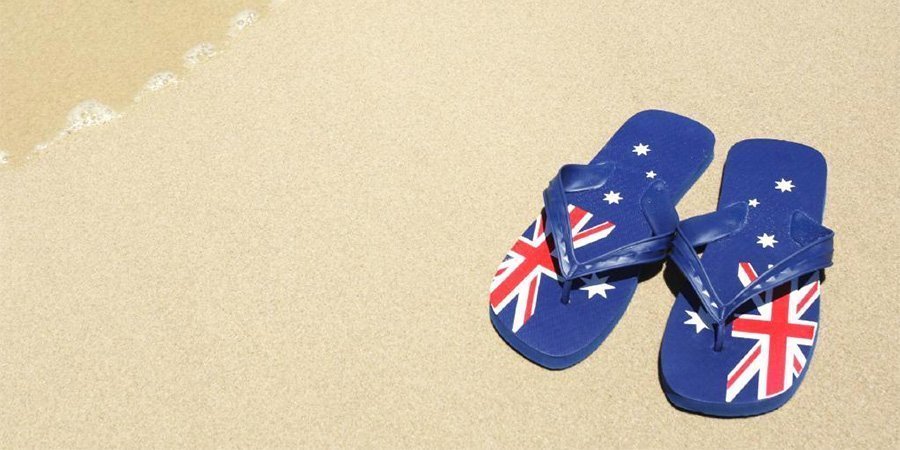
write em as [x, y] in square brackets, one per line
[817, 247]
[655, 203]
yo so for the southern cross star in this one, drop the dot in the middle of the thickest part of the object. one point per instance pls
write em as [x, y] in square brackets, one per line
[612, 197]
[766, 241]
[784, 185]
[651, 174]
[596, 286]
[695, 320]
[753, 202]
[641, 149]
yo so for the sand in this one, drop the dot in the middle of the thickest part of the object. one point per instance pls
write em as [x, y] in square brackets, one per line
[294, 245]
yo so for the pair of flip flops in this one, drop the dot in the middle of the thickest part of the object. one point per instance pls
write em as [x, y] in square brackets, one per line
[743, 327]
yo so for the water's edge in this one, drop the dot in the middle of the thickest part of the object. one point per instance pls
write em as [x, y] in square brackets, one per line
[48, 96]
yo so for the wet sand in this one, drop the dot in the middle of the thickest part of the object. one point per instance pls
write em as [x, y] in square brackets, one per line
[295, 245]
[54, 55]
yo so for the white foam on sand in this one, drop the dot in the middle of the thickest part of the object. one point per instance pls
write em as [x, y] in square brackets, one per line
[242, 20]
[160, 80]
[4, 157]
[88, 113]
[198, 53]
[157, 82]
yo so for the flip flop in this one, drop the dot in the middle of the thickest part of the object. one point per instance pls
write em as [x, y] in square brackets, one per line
[570, 276]
[742, 332]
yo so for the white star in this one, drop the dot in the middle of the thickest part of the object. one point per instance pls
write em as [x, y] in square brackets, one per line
[784, 185]
[641, 149]
[596, 286]
[651, 174]
[766, 241]
[612, 197]
[695, 320]
[753, 202]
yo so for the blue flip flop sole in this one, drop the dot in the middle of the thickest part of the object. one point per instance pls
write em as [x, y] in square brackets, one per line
[525, 295]
[769, 342]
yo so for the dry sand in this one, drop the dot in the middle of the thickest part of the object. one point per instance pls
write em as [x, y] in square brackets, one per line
[295, 245]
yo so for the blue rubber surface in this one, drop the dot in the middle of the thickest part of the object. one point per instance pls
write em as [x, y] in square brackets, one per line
[526, 307]
[769, 342]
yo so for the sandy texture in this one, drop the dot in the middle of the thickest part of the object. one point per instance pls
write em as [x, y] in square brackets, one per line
[295, 245]
[55, 54]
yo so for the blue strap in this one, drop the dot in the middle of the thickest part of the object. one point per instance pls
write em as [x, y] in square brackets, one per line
[656, 206]
[817, 247]
[706, 228]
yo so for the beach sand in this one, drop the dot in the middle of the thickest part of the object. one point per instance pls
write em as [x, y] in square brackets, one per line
[294, 245]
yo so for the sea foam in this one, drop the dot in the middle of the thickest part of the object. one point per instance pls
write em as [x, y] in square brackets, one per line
[242, 20]
[88, 113]
[157, 82]
[198, 53]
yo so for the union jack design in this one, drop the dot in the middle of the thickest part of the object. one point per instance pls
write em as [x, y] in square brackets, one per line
[519, 275]
[779, 332]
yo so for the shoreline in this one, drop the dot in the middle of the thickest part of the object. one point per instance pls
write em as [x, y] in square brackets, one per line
[90, 63]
